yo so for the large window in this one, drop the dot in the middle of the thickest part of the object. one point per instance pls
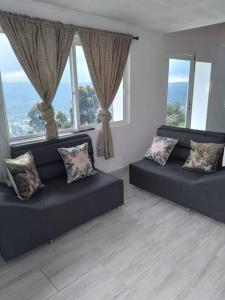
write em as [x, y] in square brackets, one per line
[88, 101]
[177, 93]
[75, 102]
[188, 91]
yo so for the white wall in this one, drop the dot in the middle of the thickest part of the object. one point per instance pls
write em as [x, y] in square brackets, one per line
[146, 68]
[206, 42]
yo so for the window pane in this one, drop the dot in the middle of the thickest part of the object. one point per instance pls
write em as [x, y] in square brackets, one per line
[19, 94]
[177, 95]
[89, 103]
[21, 97]
[88, 100]
[117, 105]
[200, 95]
[62, 102]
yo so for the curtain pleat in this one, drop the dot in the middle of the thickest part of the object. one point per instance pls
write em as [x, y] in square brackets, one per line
[42, 48]
[106, 54]
[4, 137]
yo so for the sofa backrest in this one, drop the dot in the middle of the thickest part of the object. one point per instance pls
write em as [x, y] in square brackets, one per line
[184, 135]
[46, 156]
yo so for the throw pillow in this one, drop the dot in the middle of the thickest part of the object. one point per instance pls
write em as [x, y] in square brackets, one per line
[203, 157]
[77, 162]
[23, 175]
[161, 149]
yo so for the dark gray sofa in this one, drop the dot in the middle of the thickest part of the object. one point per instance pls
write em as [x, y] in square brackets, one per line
[59, 206]
[195, 190]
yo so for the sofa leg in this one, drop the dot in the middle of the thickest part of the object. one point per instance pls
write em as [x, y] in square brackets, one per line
[53, 248]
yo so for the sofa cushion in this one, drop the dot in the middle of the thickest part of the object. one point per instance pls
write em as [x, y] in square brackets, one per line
[170, 181]
[54, 210]
[171, 172]
[184, 135]
[57, 192]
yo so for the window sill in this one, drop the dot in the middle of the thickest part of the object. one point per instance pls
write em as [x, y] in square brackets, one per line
[119, 123]
[66, 133]
[32, 139]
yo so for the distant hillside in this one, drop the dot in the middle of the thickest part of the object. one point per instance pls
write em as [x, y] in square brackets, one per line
[177, 92]
[21, 96]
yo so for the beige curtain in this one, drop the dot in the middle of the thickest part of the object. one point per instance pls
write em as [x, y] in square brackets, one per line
[106, 54]
[42, 47]
[4, 137]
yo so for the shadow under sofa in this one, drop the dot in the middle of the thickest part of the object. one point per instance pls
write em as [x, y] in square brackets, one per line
[198, 191]
[60, 206]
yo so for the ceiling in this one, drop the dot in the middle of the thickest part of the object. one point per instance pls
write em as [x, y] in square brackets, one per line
[163, 15]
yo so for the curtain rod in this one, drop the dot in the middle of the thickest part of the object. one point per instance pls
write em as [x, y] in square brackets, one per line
[2, 12]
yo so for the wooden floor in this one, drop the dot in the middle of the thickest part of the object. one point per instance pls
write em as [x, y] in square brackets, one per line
[149, 249]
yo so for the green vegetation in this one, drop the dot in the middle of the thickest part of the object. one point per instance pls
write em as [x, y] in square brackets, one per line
[175, 115]
[88, 105]
[88, 112]
[35, 122]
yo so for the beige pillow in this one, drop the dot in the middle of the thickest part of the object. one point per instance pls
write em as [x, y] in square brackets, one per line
[203, 157]
[23, 175]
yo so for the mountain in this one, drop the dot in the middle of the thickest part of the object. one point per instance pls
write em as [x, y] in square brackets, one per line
[177, 92]
[21, 96]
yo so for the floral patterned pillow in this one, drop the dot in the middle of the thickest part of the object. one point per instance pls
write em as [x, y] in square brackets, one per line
[160, 149]
[203, 157]
[77, 162]
[23, 176]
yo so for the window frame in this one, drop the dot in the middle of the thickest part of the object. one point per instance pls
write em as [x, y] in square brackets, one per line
[76, 126]
[192, 58]
[126, 88]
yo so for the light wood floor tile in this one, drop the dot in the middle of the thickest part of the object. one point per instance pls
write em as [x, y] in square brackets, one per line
[150, 249]
[25, 264]
[34, 286]
[97, 284]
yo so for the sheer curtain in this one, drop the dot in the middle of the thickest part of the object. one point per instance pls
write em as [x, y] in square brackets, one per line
[42, 47]
[106, 54]
[4, 136]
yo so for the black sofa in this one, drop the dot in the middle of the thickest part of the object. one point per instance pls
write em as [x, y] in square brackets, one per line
[59, 206]
[195, 190]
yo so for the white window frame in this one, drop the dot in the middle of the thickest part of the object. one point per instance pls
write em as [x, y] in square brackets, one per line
[76, 126]
[126, 89]
[193, 59]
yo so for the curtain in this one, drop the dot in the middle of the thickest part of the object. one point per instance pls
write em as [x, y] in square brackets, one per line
[4, 137]
[106, 54]
[42, 48]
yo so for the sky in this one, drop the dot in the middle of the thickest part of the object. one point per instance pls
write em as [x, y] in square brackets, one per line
[11, 70]
[178, 70]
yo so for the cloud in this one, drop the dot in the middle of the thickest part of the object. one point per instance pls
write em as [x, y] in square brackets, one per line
[15, 76]
[173, 79]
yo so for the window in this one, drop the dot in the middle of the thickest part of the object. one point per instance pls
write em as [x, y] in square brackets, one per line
[200, 95]
[177, 93]
[88, 101]
[188, 92]
[75, 102]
